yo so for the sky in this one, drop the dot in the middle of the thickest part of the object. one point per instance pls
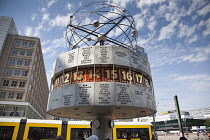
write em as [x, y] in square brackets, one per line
[174, 33]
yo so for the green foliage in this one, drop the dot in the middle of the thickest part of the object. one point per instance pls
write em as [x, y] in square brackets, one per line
[207, 123]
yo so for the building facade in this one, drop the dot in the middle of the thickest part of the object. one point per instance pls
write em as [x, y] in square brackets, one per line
[7, 26]
[23, 82]
[203, 113]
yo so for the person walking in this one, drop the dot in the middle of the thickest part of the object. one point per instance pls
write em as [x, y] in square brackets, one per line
[36, 133]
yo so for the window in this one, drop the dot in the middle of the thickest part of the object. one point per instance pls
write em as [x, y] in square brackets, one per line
[50, 132]
[11, 95]
[14, 83]
[135, 132]
[19, 96]
[14, 52]
[6, 83]
[19, 62]
[85, 131]
[24, 73]
[29, 53]
[2, 94]
[9, 72]
[17, 72]
[27, 63]
[24, 43]
[11, 61]
[22, 52]
[22, 84]
[31, 44]
[17, 42]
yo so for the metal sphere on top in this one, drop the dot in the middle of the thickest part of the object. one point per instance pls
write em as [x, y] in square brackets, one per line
[90, 20]
[96, 23]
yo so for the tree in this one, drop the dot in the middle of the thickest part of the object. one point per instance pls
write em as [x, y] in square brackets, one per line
[207, 123]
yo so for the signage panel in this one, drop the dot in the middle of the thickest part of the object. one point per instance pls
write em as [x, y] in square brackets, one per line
[104, 93]
[103, 55]
[71, 58]
[86, 55]
[54, 99]
[138, 95]
[60, 62]
[120, 56]
[68, 96]
[123, 94]
[85, 94]
[135, 59]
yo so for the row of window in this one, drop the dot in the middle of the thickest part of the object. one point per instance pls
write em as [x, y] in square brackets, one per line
[24, 43]
[19, 62]
[16, 72]
[12, 110]
[21, 52]
[12, 83]
[11, 95]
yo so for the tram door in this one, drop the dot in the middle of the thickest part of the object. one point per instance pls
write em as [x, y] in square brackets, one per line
[6, 132]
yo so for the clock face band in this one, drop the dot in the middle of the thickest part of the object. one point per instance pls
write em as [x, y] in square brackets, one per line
[102, 74]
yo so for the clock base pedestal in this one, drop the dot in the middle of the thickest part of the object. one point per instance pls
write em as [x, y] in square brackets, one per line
[102, 127]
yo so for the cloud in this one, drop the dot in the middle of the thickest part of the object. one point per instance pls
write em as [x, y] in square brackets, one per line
[167, 31]
[193, 39]
[192, 77]
[163, 55]
[45, 17]
[152, 23]
[33, 31]
[28, 30]
[51, 2]
[43, 9]
[68, 6]
[45, 42]
[207, 31]
[141, 3]
[53, 45]
[122, 3]
[47, 49]
[139, 20]
[185, 30]
[33, 17]
[60, 21]
[204, 10]
[195, 5]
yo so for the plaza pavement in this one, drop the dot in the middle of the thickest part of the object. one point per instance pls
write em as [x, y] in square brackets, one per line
[191, 136]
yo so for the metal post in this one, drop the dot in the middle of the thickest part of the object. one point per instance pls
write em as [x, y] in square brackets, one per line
[154, 128]
[178, 115]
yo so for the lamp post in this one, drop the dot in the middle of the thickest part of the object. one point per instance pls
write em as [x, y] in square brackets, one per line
[166, 127]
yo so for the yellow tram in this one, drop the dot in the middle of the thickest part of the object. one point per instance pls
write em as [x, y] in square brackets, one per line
[20, 129]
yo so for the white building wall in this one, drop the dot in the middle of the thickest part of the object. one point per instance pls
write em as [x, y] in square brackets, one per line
[7, 26]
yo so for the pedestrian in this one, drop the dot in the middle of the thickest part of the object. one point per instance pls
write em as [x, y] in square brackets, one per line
[128, 136]
[81, 137]
[198, 134]
[143, 137]
[92, 137]
[60, 138]
[183, 138]
[36, 133]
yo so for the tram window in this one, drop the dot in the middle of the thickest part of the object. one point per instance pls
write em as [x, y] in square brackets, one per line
[135, 132]
[48, 132]
[85, 131]
[6, 132]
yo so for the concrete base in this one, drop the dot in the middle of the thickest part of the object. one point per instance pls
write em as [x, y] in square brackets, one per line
[104, 131]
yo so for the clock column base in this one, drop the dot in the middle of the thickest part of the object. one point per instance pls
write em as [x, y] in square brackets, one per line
[101, 127]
